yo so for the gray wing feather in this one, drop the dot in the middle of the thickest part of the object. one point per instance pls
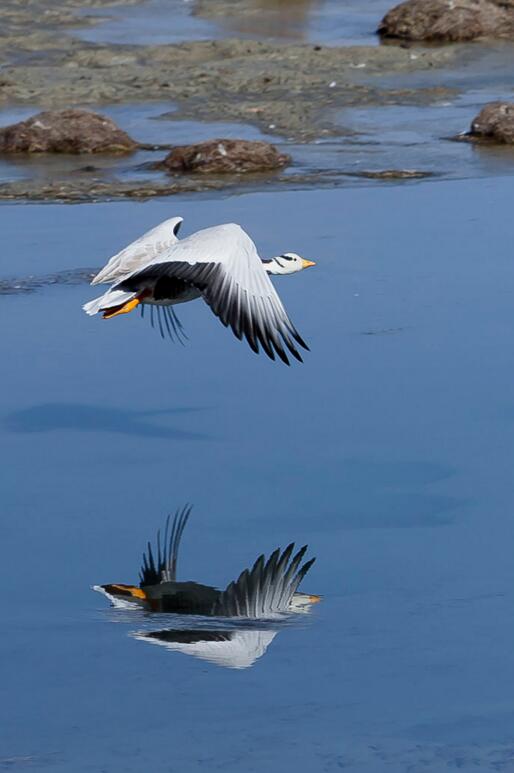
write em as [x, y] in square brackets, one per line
[140, 252]
[267, 588]
[163, 568]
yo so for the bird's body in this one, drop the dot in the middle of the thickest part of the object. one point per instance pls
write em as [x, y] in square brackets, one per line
[220, 265]
[269, 588]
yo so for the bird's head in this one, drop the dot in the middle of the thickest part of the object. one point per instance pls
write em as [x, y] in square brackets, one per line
[288, 263]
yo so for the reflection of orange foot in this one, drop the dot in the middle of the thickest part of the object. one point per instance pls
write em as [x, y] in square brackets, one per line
[125, 308]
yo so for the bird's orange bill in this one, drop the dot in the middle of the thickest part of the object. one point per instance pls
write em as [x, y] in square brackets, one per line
[314, 599]
[125, 590]
[123, 308]
[307, 263]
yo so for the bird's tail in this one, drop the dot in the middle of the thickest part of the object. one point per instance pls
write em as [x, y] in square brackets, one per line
[108, 300]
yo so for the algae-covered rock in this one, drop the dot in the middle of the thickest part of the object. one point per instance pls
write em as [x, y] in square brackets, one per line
[495, 122]
[449, 20]
[65, 131]
[225, 156]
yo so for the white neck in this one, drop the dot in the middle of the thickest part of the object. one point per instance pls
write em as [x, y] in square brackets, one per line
[276, 266]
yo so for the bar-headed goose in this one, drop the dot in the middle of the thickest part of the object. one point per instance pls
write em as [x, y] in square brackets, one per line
[222, 266]
[268, 589]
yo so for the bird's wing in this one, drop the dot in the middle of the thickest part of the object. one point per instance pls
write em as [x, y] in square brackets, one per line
[223, 264]
[267, 588]
[231, 649]
[140, 252]
[163, 567]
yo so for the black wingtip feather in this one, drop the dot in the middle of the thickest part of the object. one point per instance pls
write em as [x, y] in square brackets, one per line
[152, 573]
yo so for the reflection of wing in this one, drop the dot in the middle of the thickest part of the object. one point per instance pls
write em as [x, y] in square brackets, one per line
[164, 569]
[140, 252]
[267, 588]
[231, 649]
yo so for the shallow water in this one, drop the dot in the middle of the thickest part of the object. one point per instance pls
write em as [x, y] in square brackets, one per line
[387, 137]
[152, 123]
[389, 451]
[375, 137]
[330, 22]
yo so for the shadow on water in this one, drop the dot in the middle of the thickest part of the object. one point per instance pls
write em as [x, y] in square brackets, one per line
[402, 511]
[381, 495]
[51, 417]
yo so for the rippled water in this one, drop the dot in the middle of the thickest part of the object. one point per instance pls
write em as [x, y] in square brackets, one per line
[390, 452]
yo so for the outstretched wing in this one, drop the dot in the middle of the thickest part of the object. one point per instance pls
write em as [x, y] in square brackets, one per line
[223, 265]
[267, 588]
[163, 567]
[142, 251]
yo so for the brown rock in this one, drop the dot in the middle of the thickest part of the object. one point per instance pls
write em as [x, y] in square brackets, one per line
[449, 20]
[225, 156]
[494, 122]
[65, 131]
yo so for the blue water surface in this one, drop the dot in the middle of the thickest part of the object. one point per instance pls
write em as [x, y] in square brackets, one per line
[390, 451]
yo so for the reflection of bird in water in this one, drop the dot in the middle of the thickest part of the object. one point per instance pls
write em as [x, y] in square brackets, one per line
[220, 265]
[269, 588]
[269, 18]
[236, 648]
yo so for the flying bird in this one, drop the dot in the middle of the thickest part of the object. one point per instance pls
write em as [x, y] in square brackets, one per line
[269, 588]
[220, 265]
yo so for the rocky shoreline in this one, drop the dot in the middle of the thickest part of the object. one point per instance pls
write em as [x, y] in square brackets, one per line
[290, 90]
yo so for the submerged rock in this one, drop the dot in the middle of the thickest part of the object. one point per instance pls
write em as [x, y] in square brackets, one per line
[65, 131]
[30, 284]
[495, 122]
[391, 174]
[225, 156]
[449, 20]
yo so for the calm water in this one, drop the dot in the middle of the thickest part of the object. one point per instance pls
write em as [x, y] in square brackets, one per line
[390, 451]
[169, 21]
